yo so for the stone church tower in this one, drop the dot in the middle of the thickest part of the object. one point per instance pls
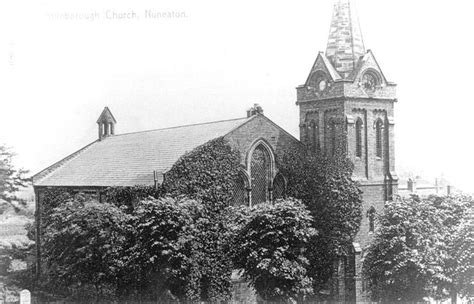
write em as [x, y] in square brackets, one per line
[347, 103]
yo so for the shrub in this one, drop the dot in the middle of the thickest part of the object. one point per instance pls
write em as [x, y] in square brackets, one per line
[159, 256]
[82, 243]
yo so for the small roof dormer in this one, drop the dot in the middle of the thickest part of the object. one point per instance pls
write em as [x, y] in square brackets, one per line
[106, 122]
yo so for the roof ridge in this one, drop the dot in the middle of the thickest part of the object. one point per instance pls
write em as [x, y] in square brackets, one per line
[182, 126]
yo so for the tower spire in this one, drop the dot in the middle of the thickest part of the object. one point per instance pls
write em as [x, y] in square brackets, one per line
[345, 43]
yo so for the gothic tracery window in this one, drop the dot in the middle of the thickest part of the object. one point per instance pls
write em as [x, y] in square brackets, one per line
[260, 174]
[359, 137]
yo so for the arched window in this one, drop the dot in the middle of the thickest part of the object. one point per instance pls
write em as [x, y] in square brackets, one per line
[279, 187]
[260, 174]
[371, 216]
[378, 138]
[332, 137]
[358, 137]
[314, 136]
[304, 132]
[240, 192]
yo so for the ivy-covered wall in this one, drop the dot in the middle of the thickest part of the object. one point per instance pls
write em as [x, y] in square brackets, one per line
[207, 173]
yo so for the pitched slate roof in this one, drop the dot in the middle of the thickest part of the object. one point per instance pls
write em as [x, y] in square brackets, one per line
[130, 159]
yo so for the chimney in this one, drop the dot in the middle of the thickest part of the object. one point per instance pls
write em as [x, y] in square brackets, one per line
[411, 185]
[255, 110]
[106, 123]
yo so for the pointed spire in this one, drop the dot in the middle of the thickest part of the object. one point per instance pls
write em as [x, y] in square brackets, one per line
[345, 43]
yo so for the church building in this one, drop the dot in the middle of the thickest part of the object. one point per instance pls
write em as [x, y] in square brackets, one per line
[346, 101]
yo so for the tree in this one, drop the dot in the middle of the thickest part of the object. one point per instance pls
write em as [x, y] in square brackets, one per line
[461, 262]
[11, 179]
[417, 251]
[457, 247]
[269, 248]
[82, 244]
[325, 186]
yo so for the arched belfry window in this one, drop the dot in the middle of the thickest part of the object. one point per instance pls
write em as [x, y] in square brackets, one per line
[379, 138]
[311, 122]
[314, 136]
[260, 173]
[332, 136]
[371, 217]
[304, 132]
[358, 137]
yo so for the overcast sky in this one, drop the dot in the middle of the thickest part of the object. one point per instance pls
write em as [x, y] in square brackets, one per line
[63, 61]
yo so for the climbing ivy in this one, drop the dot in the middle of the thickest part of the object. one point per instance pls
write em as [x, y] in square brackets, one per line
[324, 184]
[207, 173]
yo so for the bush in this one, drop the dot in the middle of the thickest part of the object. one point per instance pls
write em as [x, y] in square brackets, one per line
[159, 256]
[269, 249]
[177, 250]
[82, 244]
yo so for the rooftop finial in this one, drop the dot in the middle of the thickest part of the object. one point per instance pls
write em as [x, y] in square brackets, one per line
[345, 43]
